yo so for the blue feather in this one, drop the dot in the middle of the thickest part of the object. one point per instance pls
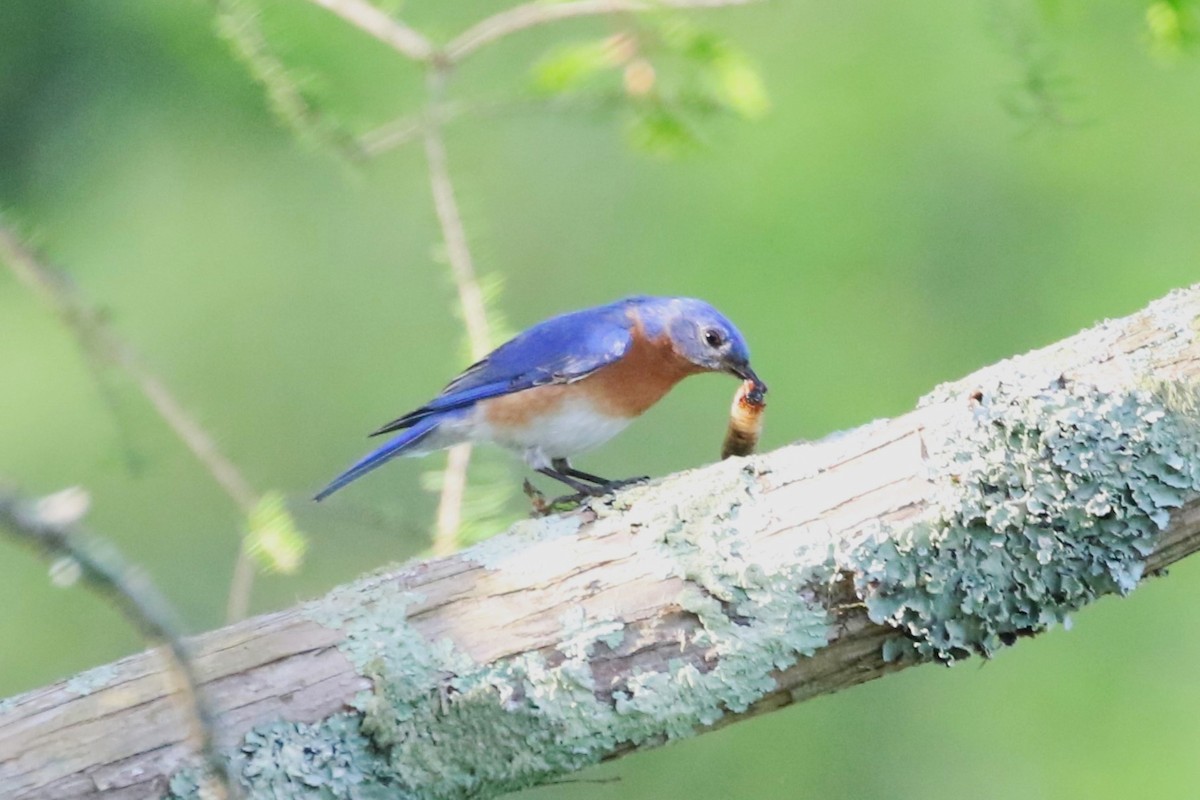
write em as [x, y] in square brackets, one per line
[562, 349]
[394, 447]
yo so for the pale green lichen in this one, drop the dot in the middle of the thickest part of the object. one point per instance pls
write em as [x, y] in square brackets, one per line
[757, 615]
[532, 717]
[184, 784]
[1043, 502]
[90, 680]
[328, 760]
[437, 725]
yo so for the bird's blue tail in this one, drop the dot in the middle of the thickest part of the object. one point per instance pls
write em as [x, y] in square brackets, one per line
[406, 440]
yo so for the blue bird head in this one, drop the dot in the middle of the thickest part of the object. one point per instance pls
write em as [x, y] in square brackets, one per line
[703, 335]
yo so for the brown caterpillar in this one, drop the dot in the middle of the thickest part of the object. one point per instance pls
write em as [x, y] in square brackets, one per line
[745, 420]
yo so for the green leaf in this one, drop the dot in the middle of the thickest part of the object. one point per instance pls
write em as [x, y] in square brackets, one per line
[738, 85]
[726, 72]
[659, 131]
[567, 67]
[1171, 27]
[272, 540]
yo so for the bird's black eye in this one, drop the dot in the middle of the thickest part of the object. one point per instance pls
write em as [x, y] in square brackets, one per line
[713, 338]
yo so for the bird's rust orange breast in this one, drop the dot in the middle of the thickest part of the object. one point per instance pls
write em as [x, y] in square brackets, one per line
[520, 409]
[625, 388]
[649, 369]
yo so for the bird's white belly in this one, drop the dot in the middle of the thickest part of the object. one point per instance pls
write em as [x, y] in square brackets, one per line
[572, 427]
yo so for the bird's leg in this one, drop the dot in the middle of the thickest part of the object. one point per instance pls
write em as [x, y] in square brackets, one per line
[584, 489]
[562, 466]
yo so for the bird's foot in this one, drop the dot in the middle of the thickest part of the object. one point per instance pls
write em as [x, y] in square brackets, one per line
[612, 486]
[569, 502]
[543, 507]
[537, 499]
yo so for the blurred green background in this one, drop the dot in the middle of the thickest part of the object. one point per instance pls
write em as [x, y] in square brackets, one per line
[937, 185]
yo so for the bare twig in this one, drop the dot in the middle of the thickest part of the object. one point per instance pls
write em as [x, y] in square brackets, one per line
[530, 15]
[390, 135]
[50, 525]
[238, 23]
[409, 128]
[94, 338]
[406, 129]
[450, 502]
[366, 17]
[457, 251]
[470, 298]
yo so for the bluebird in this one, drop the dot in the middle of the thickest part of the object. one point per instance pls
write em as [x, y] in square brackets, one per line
[569, 384]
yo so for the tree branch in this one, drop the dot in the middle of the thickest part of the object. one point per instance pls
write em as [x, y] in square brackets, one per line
[470, 299]
[49, 525]
[531, 15]
[387, 29]
[96, 340]
[1004, 503]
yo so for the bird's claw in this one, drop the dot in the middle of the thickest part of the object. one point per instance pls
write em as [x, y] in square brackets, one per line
[537, 499]
[612, 486]
[569, 502]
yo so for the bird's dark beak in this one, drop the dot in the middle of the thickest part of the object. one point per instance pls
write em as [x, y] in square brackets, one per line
[744, 372]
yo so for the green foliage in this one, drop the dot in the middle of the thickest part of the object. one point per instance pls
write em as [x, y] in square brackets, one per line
[660, 130]
[1043, 92]
[666, 74]
[1172, 27]
[567, 67]
[289, 93]
[725, 72]
[272, 539]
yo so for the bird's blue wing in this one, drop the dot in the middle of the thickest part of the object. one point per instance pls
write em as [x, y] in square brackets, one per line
[562, 349]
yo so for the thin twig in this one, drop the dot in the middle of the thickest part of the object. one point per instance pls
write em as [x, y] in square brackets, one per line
[457, 251]
[406, 129]
[387, 29]
[450, 503]
[238, 22]
[241, 585]
[470, 298]
[530, 15]
[409, 128]
[95, 339]
[390, 135]
[50, 525]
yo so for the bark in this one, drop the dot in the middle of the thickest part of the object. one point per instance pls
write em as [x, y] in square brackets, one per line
[1002, 504]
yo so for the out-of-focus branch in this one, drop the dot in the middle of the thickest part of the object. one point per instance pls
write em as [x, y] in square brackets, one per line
[387, 29]
[411, 44]
[406, 129]
[458, 253]
[530, 15]
[99, 342]
[390, 135]
[470, 298]
[50, 525]
[238, 23]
